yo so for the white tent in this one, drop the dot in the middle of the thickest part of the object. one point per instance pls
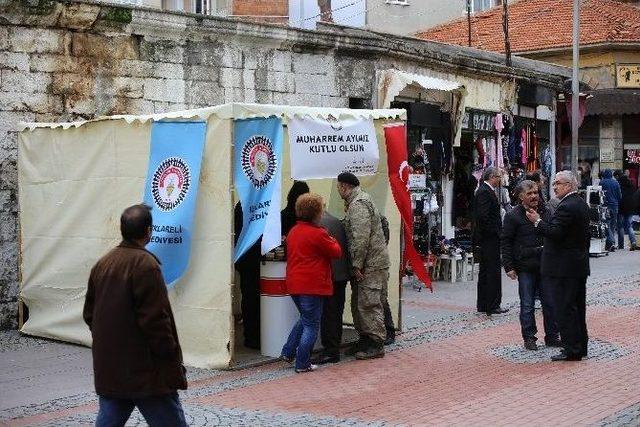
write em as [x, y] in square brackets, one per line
[76, 178]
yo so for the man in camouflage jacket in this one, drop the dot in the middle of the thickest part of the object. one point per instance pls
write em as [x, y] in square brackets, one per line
[370, 266]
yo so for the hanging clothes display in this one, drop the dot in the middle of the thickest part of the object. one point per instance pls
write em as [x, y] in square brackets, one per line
[523, 147]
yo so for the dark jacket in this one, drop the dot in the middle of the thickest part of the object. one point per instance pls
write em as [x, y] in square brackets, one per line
[487, 222]
[612, 193]
[341, 267]
[135, 348]
[566, 239]
[626, 204]
[520, 245]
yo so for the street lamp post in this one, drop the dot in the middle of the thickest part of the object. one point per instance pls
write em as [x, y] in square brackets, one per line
[575, 87]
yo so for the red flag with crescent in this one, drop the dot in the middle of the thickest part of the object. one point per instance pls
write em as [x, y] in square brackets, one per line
[396, 137]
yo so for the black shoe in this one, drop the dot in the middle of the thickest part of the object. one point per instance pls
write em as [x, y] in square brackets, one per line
[373, 352]
[530, 344]
[497, 311]
[359, 345]
[562, 356]
[324, 359]
[389, 340]
[553, 343]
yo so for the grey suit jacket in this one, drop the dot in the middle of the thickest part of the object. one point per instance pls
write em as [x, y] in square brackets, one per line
[341, 267]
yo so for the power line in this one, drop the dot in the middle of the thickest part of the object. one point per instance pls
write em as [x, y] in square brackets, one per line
[329, 12]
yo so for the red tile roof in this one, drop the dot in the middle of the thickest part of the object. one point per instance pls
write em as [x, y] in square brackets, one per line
[543, 24]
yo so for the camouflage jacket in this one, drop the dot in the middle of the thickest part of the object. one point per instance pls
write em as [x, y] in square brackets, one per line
[367, 244]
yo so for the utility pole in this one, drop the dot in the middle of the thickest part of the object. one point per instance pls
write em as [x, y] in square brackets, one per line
[505, 28]
[469, 20]
[575, 87]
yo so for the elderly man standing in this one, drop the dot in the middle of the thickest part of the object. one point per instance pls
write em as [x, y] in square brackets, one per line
[486, 234]
[137, 360]
[370, 266]
[521, 252]
[565, 261]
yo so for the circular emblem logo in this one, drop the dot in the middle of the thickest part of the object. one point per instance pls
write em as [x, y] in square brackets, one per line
[258, 160]
[170, 183]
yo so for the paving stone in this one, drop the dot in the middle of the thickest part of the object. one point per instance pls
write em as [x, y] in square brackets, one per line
[461, 368]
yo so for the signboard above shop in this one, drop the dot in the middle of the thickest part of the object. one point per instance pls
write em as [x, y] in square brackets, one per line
[628, 75]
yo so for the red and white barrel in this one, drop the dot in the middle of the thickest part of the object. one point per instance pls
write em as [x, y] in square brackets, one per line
[278, 313]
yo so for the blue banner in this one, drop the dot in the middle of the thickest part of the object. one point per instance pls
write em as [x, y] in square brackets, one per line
[258, 181]
[171, 189]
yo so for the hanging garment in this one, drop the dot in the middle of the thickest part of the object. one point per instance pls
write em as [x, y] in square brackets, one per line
[535, 162]
[511, 145]
[523, 144]
[499, 155]
[497, 123]
[480, 148]
[489, 152]
[504, 140]
[546, 161]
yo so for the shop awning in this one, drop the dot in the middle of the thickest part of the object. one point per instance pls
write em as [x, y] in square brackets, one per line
[613, 102]
[392, 82]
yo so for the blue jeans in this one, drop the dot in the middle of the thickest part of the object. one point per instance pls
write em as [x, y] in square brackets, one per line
[613, 226]
[624, 226]
[528, 284]
[158, 411]
[305, 332]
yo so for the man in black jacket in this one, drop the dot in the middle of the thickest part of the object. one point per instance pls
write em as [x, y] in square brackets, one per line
[521, 252]
[565, 260]
[487, 235]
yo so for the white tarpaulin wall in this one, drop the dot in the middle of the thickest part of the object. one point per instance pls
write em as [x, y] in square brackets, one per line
[76, 178]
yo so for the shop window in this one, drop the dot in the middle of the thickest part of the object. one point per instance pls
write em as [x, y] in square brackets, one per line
[481, 5]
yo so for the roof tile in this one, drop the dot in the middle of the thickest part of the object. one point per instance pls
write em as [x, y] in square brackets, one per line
[543, 24]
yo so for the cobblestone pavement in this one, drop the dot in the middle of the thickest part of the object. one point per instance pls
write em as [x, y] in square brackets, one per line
[454, 368]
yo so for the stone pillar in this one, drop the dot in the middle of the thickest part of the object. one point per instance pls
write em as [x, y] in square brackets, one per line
[610, 142]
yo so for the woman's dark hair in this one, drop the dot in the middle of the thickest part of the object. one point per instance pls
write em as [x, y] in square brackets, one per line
[135, 221]
[297, 189]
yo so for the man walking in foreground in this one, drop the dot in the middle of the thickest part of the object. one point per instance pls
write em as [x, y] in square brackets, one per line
[565, 261]
[521, 252]
[486, 234]
[370, 266]
[137, 360]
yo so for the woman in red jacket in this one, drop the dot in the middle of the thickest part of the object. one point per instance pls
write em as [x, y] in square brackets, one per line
[309, 252]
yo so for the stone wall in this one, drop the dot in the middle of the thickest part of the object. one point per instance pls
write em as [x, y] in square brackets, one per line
[77, 60]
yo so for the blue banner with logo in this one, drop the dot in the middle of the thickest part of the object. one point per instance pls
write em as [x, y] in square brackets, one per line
[258, 181]
[171, 189]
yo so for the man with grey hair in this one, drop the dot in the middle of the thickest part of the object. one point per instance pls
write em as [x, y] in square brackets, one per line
[565, 261]
[521, 249]
[486, 235]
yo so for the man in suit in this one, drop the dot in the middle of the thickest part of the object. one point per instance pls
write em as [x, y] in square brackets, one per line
[487, 235]
[565, 261]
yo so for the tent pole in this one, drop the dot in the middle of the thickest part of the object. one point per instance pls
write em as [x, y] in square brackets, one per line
[232, 288]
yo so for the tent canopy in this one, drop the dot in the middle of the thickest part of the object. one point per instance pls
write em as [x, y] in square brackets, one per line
[392, 82]
[76, 178]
